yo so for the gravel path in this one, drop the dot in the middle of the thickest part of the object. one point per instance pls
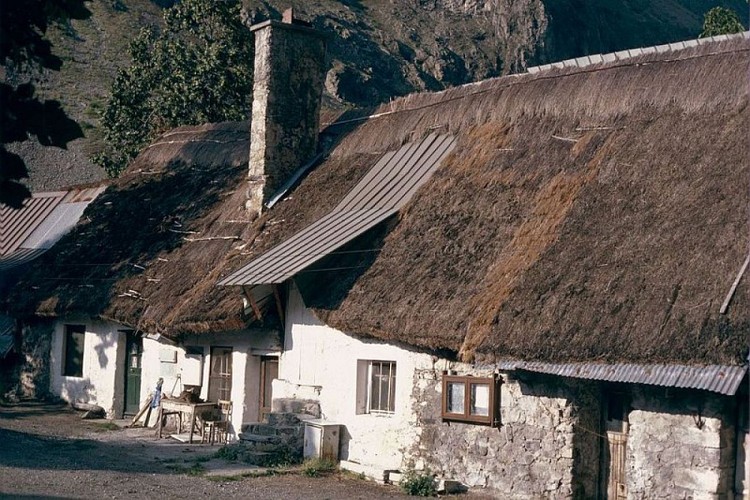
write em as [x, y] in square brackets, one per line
[47, 451]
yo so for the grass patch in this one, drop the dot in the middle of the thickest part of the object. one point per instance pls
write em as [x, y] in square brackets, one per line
[316, 467]
[106, 426]
[231, 453]
[196, 469]
[418, 484]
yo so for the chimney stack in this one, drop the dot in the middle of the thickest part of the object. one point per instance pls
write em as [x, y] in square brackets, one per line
[290, 66]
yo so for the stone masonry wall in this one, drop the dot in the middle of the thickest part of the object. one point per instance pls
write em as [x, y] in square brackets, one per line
[680, 444]
[290, 67]
[34, 368]
[536, 453]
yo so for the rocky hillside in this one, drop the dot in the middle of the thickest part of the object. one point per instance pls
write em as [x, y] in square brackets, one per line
[379, 49]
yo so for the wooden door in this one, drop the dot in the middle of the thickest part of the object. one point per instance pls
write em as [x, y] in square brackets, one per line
[617, 443]
[133, 353]
[269, 370]
[614, 451]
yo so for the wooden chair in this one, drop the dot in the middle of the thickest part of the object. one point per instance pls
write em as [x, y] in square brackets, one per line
[217, 424]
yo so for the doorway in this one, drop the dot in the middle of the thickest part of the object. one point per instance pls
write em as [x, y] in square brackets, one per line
[269, 370]
[614, 451]
[133, 355]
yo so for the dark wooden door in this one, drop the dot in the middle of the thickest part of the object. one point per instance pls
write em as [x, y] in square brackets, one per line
[269, 370]
[134, 350]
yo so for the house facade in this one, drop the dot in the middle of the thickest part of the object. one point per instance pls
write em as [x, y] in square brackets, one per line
[532, 284]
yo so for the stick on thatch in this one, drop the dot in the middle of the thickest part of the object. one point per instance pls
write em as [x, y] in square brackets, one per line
[725, 305]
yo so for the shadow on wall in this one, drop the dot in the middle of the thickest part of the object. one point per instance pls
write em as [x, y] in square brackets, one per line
[78, 390]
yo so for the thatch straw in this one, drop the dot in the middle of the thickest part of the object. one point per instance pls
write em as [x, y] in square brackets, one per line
[617, 243]
[584, 214]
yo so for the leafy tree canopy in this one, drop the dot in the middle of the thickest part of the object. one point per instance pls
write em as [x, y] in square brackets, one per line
[721, 21]
[198, 69]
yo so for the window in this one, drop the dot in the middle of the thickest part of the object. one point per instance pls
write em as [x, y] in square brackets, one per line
[220, 376]
[471, 399]
[376, 387]
[73, 350]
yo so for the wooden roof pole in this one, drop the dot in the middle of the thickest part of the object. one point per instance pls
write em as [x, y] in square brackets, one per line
[253, 304]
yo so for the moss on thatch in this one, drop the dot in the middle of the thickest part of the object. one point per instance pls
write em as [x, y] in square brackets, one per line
[585, 215]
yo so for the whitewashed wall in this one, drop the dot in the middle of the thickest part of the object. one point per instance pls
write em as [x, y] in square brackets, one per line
[320, 363]
[247, 347]
[103, 379]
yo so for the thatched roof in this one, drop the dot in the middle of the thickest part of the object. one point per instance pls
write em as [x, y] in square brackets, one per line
[598, 214]
[150, 249]
[585, 214]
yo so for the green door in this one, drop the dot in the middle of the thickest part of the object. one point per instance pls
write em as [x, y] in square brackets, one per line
[133, 373]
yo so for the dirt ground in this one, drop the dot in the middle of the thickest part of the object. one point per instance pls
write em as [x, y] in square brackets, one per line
[47, 451]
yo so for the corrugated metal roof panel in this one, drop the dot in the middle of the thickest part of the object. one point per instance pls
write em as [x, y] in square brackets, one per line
[386, 187]
[715, 378]
[7, 325]
[19, 257]
[55, 225]
[17, 224]
[44, 219]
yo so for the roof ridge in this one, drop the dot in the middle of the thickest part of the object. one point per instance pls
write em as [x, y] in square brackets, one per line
[588, 60]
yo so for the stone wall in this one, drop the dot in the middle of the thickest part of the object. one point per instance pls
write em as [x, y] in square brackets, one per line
[681, 444]
[33, 372]
[536, 453]
[290, 64]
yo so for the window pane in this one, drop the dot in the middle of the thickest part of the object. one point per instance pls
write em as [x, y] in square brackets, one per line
[456, 394]
[74, 343]
[382, 386]
[480, 399]
[220, 379]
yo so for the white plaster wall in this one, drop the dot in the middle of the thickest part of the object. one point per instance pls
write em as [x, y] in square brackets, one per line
[320, 363]
[103, 379]
[247, 347]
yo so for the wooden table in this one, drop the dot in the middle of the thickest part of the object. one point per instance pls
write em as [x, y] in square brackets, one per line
[184, 408]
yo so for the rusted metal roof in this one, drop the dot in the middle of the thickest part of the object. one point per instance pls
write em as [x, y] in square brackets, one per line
[715, 378]
[387, 187]
[17, 224]
[28, 232]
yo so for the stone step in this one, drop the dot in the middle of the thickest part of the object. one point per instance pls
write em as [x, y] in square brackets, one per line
[259, 438]
[259, 428]
[283, 419]
[256, 457]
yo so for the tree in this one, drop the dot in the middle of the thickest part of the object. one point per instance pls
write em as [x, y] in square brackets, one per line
[197, 70]
[721, 21]
[23, 51]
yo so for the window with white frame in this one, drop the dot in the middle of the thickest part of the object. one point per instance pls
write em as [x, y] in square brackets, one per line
[376, 387]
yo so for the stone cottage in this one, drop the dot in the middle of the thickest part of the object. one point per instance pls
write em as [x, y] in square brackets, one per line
[535, 283]
[532, 284]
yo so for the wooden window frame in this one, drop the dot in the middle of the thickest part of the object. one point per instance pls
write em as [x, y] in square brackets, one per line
[492, 418]
[212, 379]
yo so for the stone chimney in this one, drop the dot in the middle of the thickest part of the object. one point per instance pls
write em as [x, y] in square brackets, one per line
[290, 66]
